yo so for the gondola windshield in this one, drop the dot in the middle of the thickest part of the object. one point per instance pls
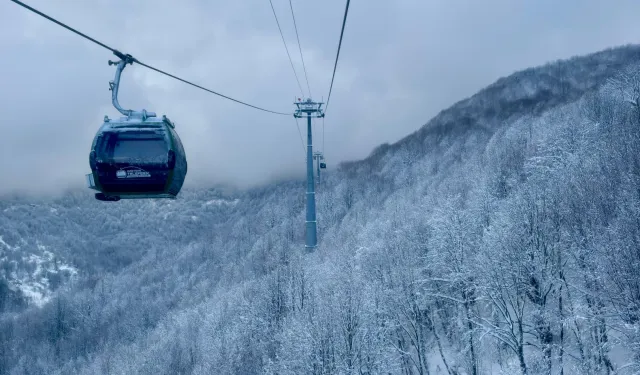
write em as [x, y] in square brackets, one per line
[135, 148]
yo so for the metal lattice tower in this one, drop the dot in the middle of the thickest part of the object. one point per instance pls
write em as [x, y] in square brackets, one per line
[310, 109]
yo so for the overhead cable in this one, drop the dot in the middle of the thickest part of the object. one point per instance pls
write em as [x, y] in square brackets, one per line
[286, 49]
[306, 77]
[304, 148]
[344, 22]
[123, 56]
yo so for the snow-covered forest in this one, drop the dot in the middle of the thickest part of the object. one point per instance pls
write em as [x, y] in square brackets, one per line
[503, 237]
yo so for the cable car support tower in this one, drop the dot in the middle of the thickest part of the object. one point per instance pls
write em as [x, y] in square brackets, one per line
[310, 109]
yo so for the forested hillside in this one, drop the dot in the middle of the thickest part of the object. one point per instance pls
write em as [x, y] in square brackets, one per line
[503, 237]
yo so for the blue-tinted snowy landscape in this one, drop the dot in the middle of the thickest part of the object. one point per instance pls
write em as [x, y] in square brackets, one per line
[500, 237]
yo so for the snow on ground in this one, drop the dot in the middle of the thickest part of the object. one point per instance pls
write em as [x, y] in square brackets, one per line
[219, 202]
[4, 243]
[30, 270]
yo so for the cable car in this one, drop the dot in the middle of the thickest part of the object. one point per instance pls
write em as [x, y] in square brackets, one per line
[137, 156]
[323, 166]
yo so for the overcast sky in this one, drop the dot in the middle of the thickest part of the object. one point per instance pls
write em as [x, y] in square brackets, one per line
[401, 62]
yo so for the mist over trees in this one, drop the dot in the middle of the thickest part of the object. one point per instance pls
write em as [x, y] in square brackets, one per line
[503, 237]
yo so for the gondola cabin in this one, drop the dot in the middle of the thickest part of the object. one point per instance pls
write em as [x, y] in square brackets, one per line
[137, 157]
[323, 166]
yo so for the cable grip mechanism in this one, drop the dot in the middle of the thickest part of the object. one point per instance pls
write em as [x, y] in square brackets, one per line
[115, 84]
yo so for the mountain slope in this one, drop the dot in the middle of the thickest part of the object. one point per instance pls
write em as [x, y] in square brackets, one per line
[501, 237]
